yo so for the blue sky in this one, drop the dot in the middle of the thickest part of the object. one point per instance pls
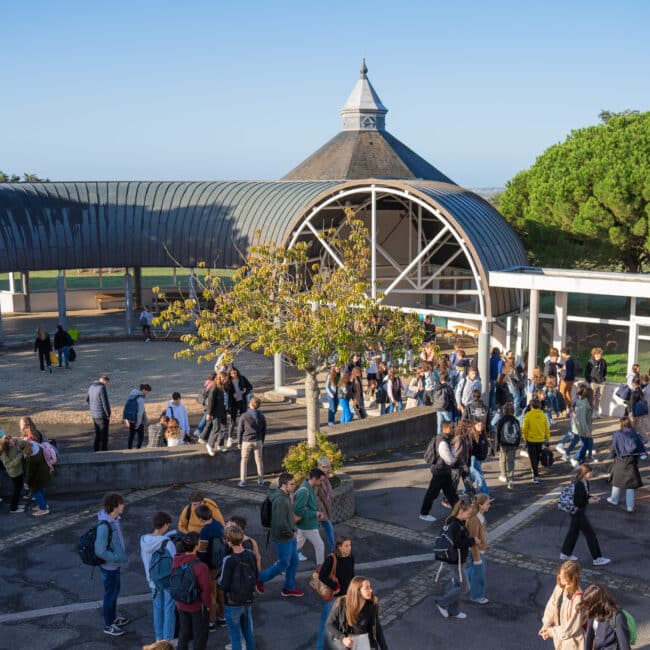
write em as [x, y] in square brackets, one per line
[215, 90]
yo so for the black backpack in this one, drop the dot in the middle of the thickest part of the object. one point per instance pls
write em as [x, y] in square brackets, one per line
[443, 548]
[442, 400]
[431, 452]
[244, 576]
[266, 517]
[183, 586]
[86, 545]
[216, 552]
[480, 449]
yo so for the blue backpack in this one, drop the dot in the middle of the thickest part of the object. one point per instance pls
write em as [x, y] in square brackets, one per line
[130, 412]
[640, 408]
[160, 566]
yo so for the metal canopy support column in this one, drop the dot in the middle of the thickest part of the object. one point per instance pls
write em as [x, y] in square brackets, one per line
[278, 372]
[12, 283]
[419, 244]
[191, 287]
[24, 279]
[373, 243]
[533, 323]
[60, 294]
[559, 319]
[137, 286]
[520, 325]
[633, 341]
[484, 356]
[508, 332]
[127, 302]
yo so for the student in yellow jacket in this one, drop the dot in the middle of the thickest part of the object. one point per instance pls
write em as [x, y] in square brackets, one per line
[535, 432]
[188, 522]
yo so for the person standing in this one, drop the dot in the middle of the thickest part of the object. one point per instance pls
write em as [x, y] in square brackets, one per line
[354, 619]
[496, 368]
[176, 409]
[607, 626]
[240, 392]
[331, 388]
[146, 320]
[356, 392]
[508, 439]
[345, 395]
[114, 556]
[164, 608]
[580, 522]
[479, 452]
[237, 581]
[283, 534]
[100, 411]
[324, 497]
[12, 459]
[251, 431]
[43, 344]
[189, 522]
[582, 425]
[134, 415]
[216, 415]
[211, 551]
[37, 475]
[477, 528]
[62, 344]
[596, 376]
[562, 621]
[535, 432]
[305, 507]
[568, 373]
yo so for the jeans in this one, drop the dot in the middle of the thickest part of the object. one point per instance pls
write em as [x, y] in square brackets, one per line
[239, 621]
[287, 562]
[101, 434]
[586, 449]
[629, 497]
[553, 403]
[346, 413]
[164, 615]
[133, 429]
[215, 432]
[476, 576]
[328, 529]
[41, 501]
[17, 482]
[397, 405]
[195, 625]
[383, 409]
[507, 462]
[64, 356]
[199, 427]
[598, 389]
[44, 359]
[442, 416]
[476, 473]
[458, 587]
[573, 437]
[111, 590]
[257, 449]
[333, 405]
[327, 608]
[493, 396]
[314, 538]
[580, 523]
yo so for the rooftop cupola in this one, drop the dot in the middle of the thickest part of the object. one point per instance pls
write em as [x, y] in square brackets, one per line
[363, 110]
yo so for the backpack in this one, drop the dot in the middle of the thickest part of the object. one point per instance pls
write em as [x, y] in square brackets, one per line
[160, 566]
[72, 354]
[266, 512]
[130, 412]
[565, 502]
[510, 433]
[244, 576]
[431, 452]
[216, 552]
[440, 401]
[183, 587]
[443, 547]
[381, 394]
[640, 408]
[86, 545]
[546, 457]
[480, 449]
[631, 625]
[50, 455]
[624, 392]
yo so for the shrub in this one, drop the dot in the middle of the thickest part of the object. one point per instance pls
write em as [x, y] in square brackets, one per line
[301, 457]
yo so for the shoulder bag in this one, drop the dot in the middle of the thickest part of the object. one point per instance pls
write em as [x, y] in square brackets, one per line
[322, 590]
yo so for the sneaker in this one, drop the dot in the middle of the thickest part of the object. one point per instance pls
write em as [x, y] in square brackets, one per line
[593, 460]
[523, 453]
[611, 503]
[301, 557]
[113, 630]
[39, 513]
[292, 593]
[560, 448]
[121, 621]
[229, 443]
[210, 450]
[510, 485]
[427, 518]
[18, 509]
[480, 601]
[220, 622]
[202, 442]
[503, 479]
[260, 482]
[212, 627]
[259, 587]
[536, 480]
[564, 558]
[460, 615]
[601, 561]
[220, 448]
[445, 504]
[243, 484]
[443, 611]
[50, 369]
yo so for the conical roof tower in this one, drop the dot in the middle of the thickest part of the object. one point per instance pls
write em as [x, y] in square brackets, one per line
[364, 149]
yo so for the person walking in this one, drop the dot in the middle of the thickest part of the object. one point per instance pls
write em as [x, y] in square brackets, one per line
[146, 321]
[308, 516]
[449, 603]
[12, 460]
[583, 425]
[477, 528]
[479, 452]
[607, 626]
[216, 415]
[43, 345]
[134, 415]
[580, 522]
[114, 556]
[354, 619]
[535, 432]
[164, 607]
[37, 475]
[100, 411]
[240, 392]
[356, 392]
[563, 621]
[324, 497]
[627, 449]
[337, 573]
[211, 551]
[283, 534]
[596, 376]
[62, 344]
[176, 409]
[568, 373]
[251, 431]
[443, 401]
[331, 388]
[508, 439]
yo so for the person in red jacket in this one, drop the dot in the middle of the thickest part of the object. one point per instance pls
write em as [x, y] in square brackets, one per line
[193, 618]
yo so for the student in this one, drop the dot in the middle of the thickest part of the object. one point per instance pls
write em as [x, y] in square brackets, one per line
[188, 522]
[62, 344]
[100, 411]
[582, 425]
[395, 389]
[331, 388]
[562, 621]
[580, 523]
[176, 409]
[345, 395]
[508, 439]
[596, 376]
[193, 618]
[249, 543]
[146, 321]
[305, 507]
[134, 415]
[216, 415]
[324, 497]
[568, 373]
[37, 475]
[354, 619]
[606, 624]
[443, 401]
[239, 392]
[237, 581]
[479, 452]
[12, 459]
[343, 575]
[164, 608]
[156, 433]
[535, 432]
[43, 344]
[211, 551]
[173, 434]
[114, 555]
[251, 431]
[477, 528]
[449, 604]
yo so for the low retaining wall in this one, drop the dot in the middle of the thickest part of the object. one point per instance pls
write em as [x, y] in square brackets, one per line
[78, 473]
[343, 499]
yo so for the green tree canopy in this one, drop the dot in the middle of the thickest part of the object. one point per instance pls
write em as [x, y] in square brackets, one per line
[585, 203]
[27, 178]
[283, 302]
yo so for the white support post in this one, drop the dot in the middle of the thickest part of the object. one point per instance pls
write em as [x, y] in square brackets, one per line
[633, 341]
[373, 243]
[484, 357]
[12, 282]
[127, 302]
[559, 319]
[533, 324]
[419, 245]
[278, 373]
[508, 332]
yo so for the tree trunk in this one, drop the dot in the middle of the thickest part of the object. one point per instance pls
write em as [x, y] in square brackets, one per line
[312, 400]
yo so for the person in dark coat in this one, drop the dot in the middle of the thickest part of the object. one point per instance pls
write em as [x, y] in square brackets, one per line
[62, 344]
[215, 415]
[37, 474]
[606, 623]
[43, 344]
[627, 448]
[100, 411]
[240, 392]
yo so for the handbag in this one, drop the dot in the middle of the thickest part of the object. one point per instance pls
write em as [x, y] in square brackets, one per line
[321, 589]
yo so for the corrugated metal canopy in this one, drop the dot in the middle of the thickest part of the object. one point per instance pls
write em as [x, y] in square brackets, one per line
[142, 223]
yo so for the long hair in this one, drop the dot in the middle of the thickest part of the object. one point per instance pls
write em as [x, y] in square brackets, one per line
[459, 506]
[598, 604]
[41, 333]
[583, 470]
[354, 601]
[571, 571]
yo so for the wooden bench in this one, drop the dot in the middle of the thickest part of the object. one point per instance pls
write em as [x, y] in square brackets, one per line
[112, 298]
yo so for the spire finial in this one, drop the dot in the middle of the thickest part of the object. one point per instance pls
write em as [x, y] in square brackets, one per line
[364, 68]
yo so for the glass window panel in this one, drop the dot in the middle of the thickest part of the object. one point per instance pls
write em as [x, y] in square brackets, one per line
[593, 306]
[546, 302]
[642, 307]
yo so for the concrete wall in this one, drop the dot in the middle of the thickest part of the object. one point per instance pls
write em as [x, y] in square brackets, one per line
[78, 473]
[75, 299]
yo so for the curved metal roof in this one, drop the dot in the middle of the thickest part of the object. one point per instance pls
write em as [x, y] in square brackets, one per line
[142, 223]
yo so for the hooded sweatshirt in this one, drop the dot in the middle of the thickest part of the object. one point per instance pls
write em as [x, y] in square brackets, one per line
[136, 393]
[282, 522]
[115, 554]
[179, 412]
[150, 543]
[536, 427]
[202, 574]
[193, 524]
